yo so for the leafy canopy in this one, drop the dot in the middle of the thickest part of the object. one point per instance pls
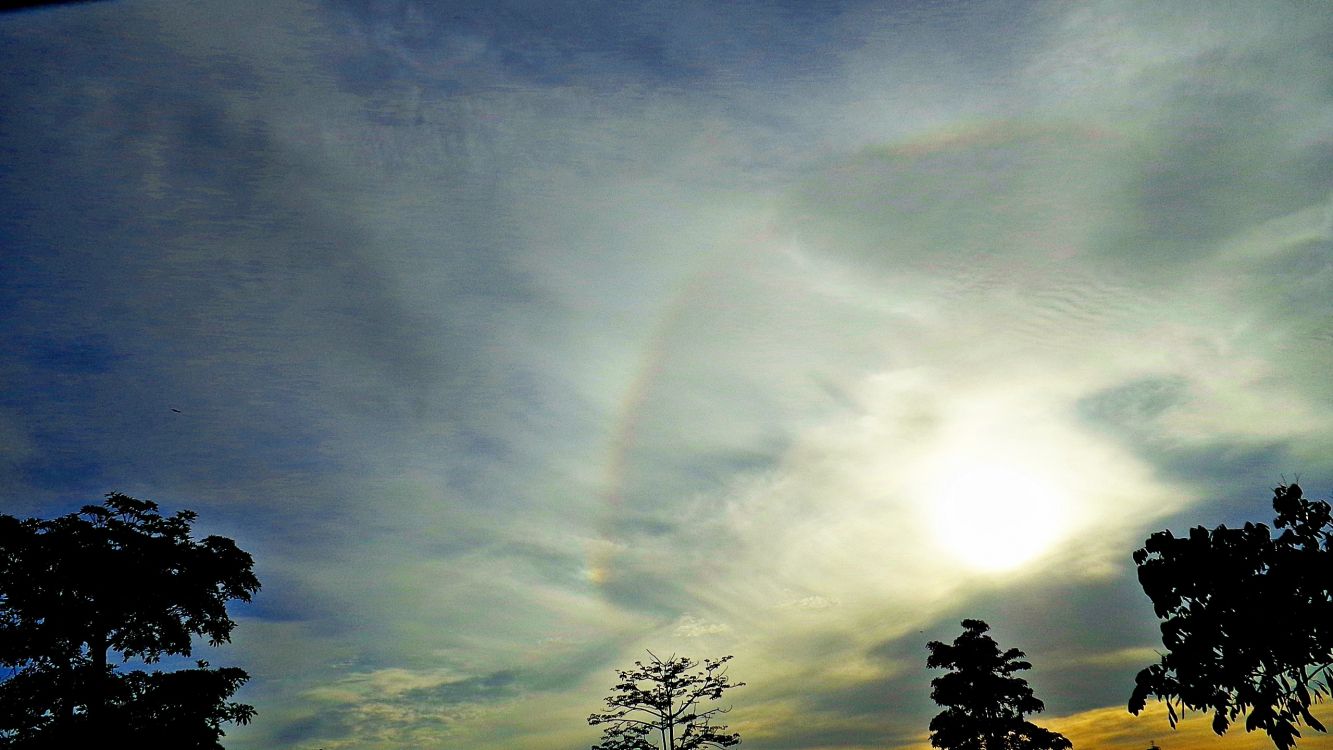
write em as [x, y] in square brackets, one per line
[984, 702]
[119, 578]
[1247, 619]
[663, 701]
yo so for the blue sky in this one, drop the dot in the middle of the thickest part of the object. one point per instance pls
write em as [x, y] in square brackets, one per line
[515, 339]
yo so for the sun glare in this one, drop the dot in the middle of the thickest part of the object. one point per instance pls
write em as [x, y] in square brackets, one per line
[996, 517]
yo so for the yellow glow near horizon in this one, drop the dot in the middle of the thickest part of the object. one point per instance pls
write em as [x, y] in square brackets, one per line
[996, 516]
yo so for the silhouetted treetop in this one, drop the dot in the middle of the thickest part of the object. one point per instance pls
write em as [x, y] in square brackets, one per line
[984, 702]
[119, 577]
[1247, 619]
[662, 700]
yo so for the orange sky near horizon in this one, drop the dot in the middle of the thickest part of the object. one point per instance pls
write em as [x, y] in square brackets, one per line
[1114, 728]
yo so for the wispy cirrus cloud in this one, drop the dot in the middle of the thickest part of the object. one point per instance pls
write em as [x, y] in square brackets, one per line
[516, 340]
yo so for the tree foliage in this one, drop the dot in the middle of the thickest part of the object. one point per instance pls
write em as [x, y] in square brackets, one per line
[662, 701]
[121, 578]
[984, 702]
[1247, 619]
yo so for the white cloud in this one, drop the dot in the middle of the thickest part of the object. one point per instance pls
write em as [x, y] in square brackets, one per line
[690, 626]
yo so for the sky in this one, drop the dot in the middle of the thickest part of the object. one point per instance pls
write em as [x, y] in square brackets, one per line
[516, 339]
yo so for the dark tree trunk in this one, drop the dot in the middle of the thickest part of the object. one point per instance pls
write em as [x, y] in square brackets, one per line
[97, 646]
[65, 713]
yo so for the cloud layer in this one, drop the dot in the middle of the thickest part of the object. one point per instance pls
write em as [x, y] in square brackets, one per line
[514, 340]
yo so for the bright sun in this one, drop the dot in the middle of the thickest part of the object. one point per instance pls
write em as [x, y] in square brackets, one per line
[996, 517]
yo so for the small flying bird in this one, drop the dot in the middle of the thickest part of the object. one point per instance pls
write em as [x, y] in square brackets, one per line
[178, 411]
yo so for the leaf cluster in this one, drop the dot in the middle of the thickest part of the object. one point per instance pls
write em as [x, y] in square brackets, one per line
[665, 698]
[1247, 619]
[984, 701]
[180, 709]
[117, 577]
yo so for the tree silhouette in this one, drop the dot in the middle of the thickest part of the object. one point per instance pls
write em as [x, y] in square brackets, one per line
[983, 701]
[662, 701]
[1247, 619]
[121, 578]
